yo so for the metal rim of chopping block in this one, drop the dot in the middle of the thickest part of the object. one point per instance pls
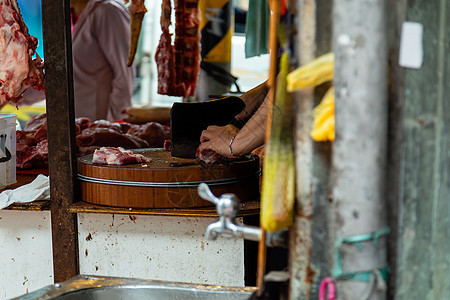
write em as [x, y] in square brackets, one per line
[169, 184]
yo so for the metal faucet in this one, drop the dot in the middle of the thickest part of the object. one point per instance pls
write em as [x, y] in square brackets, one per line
[227, 208]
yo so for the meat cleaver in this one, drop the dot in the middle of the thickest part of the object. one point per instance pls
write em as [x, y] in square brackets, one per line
[188, 120]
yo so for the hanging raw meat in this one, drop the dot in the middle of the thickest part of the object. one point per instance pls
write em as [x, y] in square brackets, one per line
[178, 64]
[165, 53]
[18, 70]
[137, 11]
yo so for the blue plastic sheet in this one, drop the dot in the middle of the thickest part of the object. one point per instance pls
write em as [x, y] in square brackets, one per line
[32, 15]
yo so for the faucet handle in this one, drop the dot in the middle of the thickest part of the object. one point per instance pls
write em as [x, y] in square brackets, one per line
[205, 193]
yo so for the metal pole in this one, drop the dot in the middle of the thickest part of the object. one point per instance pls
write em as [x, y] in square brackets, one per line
[359, 151]
[309, 261]
[61, 136]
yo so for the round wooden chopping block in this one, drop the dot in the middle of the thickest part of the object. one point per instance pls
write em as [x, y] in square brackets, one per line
[166, 182]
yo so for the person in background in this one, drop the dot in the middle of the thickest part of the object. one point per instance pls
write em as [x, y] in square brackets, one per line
[103, 83]
[231, 141]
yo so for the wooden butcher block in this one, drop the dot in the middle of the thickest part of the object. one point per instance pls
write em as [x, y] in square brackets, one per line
[166, 182]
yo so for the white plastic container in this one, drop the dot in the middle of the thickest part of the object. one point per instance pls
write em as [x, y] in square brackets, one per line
[7, 149]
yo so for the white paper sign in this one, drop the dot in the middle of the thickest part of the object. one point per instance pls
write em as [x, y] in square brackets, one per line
[411, 45]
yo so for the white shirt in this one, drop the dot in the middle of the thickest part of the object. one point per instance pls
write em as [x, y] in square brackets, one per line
[103, 83]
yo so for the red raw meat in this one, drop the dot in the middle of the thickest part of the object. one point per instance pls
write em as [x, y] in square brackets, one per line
[208, 156]
[118, 156]
[153, 132]
[25, 138]
[42, 148]
[165, 54]
[178, 64]
[35, 122]
[32, 146]
[187, 44]
[119, 127]
[41, 133]
[109, 137]
[32, 156]
[167, 144]
[82, 122]
[18, 70]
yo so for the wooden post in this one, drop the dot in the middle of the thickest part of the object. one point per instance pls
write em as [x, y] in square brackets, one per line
[61, 136]
[359, 150]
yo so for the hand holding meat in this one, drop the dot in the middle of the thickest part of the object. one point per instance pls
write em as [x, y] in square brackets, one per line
[217, 138]
[251, 136]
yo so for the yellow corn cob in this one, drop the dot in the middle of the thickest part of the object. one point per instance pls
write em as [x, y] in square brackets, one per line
[277, 192]
[312, 74]
[323, 114]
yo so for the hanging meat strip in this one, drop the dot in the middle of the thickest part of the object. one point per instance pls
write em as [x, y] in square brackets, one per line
[178, 64]
[18, 70]
[137, 11]
[187, 44]
[165, 53]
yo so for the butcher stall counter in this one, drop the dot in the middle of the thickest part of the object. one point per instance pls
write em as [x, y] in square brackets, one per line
[136, 242]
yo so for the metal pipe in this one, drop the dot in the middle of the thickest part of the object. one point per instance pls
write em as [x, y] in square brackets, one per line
[61, 136]
[359, 151]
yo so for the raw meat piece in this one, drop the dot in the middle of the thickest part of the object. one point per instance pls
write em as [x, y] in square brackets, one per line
[119, 127]
[167, 144]
[28, 157]
[154, 133]
[208, 156]
[32, 147]
[25, 138]
[41, 133]
[83, 123]
[18, 70]
[178, 64]
[187, 44]
[165, 53]
[32, 156]
[137, 11]
[37, 125]
[118, 156]
[109, 137]
[77, 129]
[42, 148]
[35, 122]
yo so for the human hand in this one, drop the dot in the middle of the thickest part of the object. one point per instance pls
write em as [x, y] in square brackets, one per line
[217, 138]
